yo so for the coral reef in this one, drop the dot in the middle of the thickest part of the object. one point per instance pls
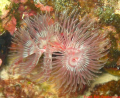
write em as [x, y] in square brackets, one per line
[54, 51]
[110, 88]
[21, 88]
[18, 10]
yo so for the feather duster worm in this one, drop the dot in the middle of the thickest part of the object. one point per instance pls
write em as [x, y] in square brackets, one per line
[30, 43]
[80, 47]
[71, 48]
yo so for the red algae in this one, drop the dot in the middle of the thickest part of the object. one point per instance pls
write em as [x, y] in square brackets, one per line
[110, 88]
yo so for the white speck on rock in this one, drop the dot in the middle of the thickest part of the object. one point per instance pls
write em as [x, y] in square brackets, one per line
[4, 74]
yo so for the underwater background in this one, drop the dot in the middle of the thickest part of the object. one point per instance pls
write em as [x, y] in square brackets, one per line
[98, 17]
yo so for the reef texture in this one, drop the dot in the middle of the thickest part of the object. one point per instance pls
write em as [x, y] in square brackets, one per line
[110, 88]
[108, 13]
[21, 88]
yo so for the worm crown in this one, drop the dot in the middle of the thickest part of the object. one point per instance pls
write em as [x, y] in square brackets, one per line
[68, 50]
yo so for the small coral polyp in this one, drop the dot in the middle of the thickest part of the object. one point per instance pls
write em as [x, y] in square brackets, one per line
[69, 50]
